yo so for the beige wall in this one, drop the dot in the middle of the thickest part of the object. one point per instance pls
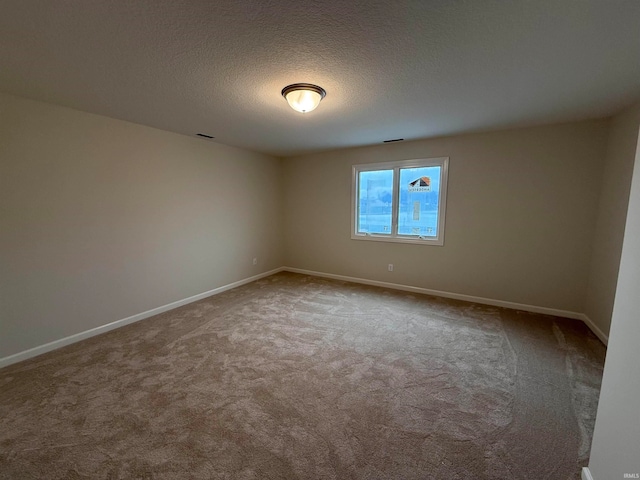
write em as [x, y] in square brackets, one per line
[520, 215]
[612, 212]
[102, 219]
[616, 436]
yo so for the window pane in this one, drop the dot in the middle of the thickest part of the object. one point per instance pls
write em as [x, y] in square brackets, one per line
[418, 209]
[375, 195]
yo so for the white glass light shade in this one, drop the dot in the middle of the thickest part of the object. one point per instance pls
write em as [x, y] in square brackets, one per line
[303, 97]
[303, 100]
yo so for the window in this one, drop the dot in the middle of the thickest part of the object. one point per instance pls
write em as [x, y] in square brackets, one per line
[400, 201]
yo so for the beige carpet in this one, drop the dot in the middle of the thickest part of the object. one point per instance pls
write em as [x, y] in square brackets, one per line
[306, 378]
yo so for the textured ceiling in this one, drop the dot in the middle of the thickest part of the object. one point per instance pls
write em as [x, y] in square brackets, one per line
[409, 69]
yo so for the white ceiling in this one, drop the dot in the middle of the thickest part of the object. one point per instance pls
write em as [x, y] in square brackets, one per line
[391, 69]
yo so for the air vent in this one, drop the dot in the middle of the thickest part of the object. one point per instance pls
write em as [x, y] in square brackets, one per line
[203, 135]
[394, 140]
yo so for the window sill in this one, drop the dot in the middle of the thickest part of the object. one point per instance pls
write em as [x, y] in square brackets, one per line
[438, 242]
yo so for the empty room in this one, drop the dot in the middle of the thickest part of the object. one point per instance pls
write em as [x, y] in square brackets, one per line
[319, 239]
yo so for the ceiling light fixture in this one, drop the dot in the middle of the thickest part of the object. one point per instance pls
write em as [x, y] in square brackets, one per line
[303, 97]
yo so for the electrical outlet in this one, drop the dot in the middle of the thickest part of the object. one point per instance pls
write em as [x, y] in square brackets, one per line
[255, 261]
[391, 267]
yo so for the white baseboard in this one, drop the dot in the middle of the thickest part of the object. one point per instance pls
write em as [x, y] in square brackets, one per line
[459, 296]
[33, 352]
[586, 474]
[47, 347]
[595, 329]
[455, 296]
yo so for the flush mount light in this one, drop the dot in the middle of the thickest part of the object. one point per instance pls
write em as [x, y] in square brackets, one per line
[303, 97]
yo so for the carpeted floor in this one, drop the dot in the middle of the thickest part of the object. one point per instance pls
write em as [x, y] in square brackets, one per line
[306, 378]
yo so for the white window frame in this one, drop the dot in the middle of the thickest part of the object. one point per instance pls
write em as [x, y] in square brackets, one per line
[438, 240]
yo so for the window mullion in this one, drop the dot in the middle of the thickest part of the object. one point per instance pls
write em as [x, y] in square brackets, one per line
[395, 203]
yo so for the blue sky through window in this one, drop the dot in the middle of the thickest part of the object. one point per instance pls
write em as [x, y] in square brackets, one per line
[418, 212]
[419, 190]
[400, 201]
[375, 198]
